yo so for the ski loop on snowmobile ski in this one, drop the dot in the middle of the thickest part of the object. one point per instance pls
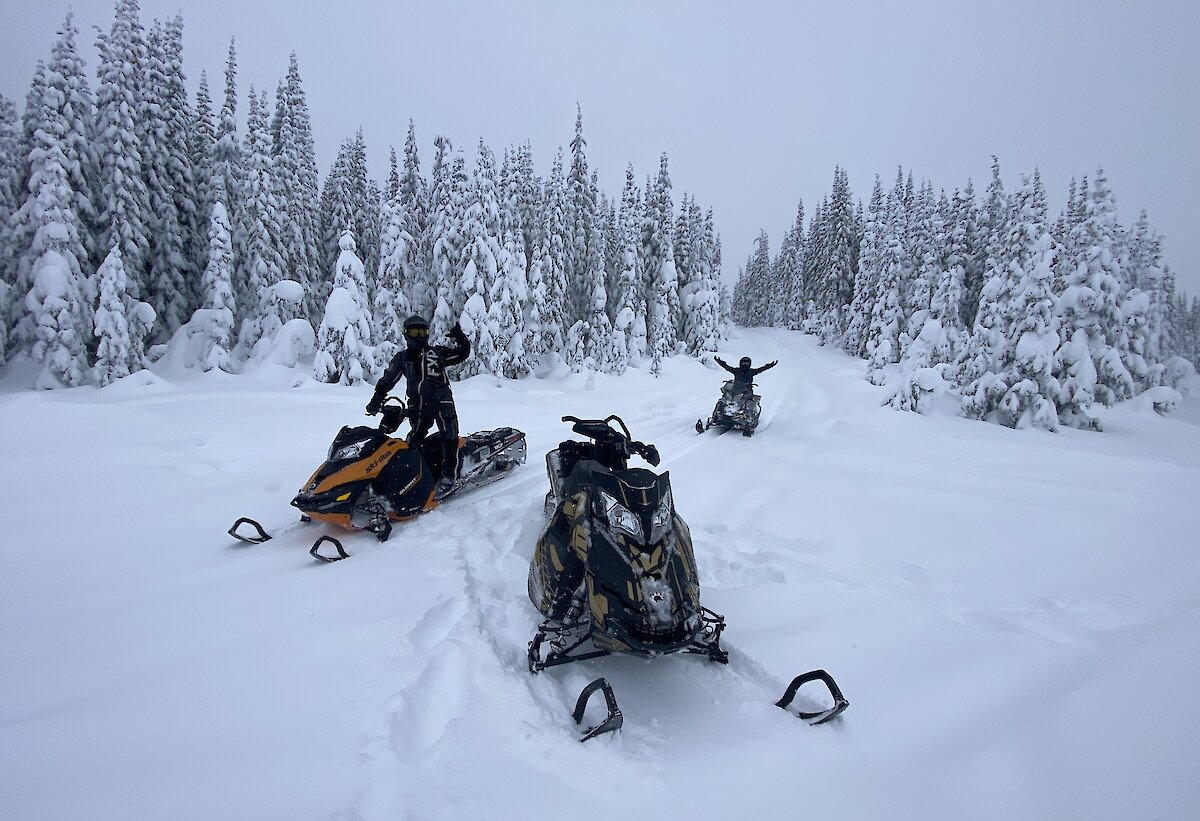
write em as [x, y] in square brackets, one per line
[261, 534]
[820, 716]
[612, 722]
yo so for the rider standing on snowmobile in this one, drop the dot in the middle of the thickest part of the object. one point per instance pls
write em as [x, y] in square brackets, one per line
[423, 366]
[743, 374]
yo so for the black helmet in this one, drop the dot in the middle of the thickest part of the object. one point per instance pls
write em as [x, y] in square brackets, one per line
[416, 330]
[744, 362]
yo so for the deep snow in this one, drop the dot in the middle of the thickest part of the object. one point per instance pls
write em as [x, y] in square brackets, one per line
[1013, 615]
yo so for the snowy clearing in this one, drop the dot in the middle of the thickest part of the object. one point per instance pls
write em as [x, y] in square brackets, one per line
[1013, 616]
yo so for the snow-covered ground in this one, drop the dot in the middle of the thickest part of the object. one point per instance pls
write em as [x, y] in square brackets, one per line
[1014, 616]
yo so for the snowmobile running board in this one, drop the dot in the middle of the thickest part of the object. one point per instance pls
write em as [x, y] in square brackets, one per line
[262, 536]
[821, 716]
[614, 720]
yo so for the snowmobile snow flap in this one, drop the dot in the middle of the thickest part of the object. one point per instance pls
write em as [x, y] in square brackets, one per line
[614, 720]
[820, 716]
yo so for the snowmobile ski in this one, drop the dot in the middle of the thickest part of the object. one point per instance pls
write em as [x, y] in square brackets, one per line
[613, 721]
[820, 716]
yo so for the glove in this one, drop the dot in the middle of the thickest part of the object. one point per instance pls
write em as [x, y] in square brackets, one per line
[457, 331]
[374, 406]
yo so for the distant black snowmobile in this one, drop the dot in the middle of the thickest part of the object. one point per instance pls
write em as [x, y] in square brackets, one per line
[614, 567]
[737, 409]
[370, 480]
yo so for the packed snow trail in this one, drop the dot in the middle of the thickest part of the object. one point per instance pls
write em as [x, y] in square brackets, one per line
[995, 604]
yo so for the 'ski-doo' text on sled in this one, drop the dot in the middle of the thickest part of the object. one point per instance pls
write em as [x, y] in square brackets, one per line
[614, 569]
[370, 480]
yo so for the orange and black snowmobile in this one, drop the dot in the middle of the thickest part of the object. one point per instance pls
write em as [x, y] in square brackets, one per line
[369, 480]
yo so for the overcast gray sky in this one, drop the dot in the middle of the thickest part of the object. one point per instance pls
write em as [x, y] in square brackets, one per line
[754, 102]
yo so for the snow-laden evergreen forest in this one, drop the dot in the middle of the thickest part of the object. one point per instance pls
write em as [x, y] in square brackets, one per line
[137, 224]
[1029, 320]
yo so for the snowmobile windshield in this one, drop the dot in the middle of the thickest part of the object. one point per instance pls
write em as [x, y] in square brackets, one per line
[354, 443]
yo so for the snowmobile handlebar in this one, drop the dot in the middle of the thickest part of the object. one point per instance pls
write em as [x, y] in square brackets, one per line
[600, 431]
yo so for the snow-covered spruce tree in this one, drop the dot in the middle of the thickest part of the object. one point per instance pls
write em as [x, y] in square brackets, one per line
[264, 264]
[119, 101]
[202, 139]
[295, 174]
[945, 304]
[630, 297]
[926, 238]
[509, 293]
[1090, 300]
[54, 305]
[581, 223]
[9, 182]
[214, 322]
[226, 184]
[704, 315]
[866, 284]
[883, 333]
[754, 285]
[838, 290]
[410, 258]
[1033, 391]
[396, 246]
[112, 328]
[56, 318]
[551, 260]
[662, 330]
[475, 324]
[182, 177]
[482, 257]
[451, 196]
[66, 74]
[167, 288]
[601, 350]
[344, 352]
[657, 251]
[791, 268]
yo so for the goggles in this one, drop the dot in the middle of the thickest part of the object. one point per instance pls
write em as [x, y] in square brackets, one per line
[416, 333]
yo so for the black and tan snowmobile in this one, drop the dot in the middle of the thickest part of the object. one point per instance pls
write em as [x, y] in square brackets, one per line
[735, 410]
[614, 572]
[370, 480]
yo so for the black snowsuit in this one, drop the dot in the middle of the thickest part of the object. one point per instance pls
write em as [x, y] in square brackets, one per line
[743, 378]
[429, 398]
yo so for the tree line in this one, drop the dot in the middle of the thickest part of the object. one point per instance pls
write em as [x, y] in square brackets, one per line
[136, 222]
[1028, 319]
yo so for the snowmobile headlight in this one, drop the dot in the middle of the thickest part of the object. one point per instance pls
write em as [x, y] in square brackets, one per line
[661, 518]
[350, 451]
[621, 518]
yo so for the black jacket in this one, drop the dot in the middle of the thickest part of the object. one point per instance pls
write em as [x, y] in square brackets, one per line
[744, 376]
[424, 371]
